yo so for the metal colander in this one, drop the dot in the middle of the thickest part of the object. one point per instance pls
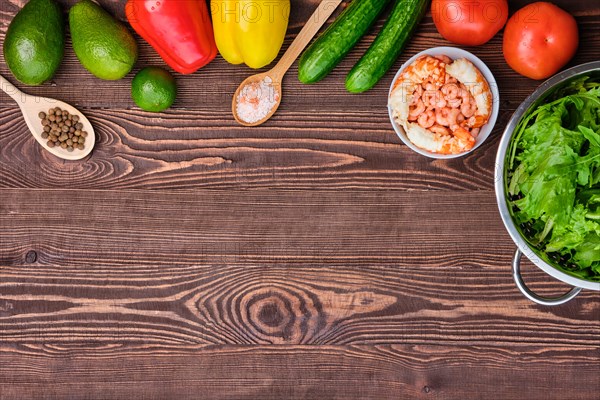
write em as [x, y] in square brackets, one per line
[553, 264]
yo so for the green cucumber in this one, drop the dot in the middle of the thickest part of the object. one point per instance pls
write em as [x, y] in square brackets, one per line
[388, 45]
[339, 38]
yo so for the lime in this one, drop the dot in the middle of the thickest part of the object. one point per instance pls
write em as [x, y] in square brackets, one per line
[153, 89]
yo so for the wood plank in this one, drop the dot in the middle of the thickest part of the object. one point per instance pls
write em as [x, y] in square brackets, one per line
[188, 227]
[179, 307]
[258, 267]
[189, 149]
[48, 371]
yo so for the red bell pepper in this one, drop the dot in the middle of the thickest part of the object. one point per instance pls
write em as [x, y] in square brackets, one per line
[179, 30]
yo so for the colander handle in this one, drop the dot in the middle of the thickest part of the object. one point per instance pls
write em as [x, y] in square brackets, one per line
[545, 301]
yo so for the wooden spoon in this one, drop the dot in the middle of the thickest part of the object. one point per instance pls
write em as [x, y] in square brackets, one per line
[31, 106]
[321, 14]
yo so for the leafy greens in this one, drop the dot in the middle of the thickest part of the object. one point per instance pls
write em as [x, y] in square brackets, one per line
[554, 178]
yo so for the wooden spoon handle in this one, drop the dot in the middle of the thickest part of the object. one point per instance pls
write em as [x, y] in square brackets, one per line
[10, 89]
[315, 22]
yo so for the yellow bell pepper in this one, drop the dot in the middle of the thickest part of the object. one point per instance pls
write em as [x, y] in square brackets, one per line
[250, 31]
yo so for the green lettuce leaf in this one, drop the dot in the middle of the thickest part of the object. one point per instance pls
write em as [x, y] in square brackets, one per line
[554, 184]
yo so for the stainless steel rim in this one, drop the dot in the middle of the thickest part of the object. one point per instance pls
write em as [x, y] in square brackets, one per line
[500, 175]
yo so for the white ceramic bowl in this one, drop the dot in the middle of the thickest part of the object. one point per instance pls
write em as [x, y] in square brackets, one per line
[454, 53]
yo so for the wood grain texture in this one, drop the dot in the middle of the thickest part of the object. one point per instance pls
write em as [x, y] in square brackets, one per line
[134, 150]
[300, 267]
[327, 372]
[331, 262]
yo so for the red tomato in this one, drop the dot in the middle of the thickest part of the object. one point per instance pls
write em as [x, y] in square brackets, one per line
[539, 40]
[469, 22]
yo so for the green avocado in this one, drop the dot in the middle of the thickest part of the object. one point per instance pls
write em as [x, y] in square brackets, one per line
[103, 45]
[35, 42]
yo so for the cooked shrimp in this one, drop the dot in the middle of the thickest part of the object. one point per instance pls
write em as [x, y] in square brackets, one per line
[432, 95]
[468, 107]
[416, 96]
[444, 58]
[454, 103]
[426, 119]
[408, 82]
[465, 72]
[434, 99]
[441, 104]
[450, 79]
[414, 100]
[450, 91]
[446, 116]
[442, 130]
[415, 111]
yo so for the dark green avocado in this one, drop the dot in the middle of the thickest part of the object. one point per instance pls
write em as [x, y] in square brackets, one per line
[35, 42]
[103, 45]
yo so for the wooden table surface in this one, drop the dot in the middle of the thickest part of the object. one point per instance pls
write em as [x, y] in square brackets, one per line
[316, 257]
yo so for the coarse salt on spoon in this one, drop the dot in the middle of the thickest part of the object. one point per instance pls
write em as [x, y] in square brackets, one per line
[31, 106]
[258, 97]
